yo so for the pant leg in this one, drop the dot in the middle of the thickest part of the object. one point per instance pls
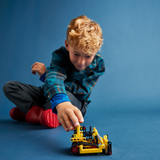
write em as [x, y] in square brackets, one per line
[24, 96]
[82, 106]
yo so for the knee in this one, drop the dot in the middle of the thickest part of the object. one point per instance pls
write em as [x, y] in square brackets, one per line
[7, 87]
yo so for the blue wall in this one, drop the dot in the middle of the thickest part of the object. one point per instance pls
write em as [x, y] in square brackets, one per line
[31, 29]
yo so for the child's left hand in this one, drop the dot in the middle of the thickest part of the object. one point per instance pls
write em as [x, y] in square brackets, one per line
[38, 68]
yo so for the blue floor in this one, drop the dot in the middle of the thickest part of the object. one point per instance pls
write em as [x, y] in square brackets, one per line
[134, 135]
[125, 101]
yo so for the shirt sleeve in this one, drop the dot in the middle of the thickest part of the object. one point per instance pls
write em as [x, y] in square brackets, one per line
[57, 99]
[42, 78]
[55, 75]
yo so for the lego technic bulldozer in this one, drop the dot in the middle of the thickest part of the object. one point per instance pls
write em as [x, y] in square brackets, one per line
[85, 142]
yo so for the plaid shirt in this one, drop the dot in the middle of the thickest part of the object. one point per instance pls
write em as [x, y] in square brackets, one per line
[61, 75]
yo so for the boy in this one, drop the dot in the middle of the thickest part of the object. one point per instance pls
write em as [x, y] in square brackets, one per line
[68, 81]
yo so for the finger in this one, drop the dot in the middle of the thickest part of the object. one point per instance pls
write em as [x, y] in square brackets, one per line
[79, 115]
[33, 71]
[36, 68]
[64, 125]
[68, 123]
[74, 119]
[34, 64]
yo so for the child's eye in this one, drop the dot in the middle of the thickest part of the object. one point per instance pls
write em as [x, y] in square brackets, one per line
[88, 56]
[76, 54]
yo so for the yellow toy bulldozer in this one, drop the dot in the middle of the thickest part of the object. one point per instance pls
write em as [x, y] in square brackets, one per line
[85, 142]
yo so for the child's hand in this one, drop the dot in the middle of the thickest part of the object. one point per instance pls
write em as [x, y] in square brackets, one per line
[69, 115]
[38, 68]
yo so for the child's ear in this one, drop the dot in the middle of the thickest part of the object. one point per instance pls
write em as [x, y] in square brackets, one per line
[66, 44]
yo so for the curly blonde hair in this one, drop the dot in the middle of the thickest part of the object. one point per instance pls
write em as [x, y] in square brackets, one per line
[84, 35]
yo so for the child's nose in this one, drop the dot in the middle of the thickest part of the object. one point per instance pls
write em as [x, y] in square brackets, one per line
[81, 61]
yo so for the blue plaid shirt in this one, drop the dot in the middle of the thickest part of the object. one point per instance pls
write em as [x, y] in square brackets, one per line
[61, 75]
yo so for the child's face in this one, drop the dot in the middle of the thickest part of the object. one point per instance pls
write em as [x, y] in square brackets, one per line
[79, 60]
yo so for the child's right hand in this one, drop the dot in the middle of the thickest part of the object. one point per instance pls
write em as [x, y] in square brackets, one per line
[69, 115]
[38, 68]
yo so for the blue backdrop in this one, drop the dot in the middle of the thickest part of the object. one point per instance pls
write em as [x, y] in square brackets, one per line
[31, 29]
